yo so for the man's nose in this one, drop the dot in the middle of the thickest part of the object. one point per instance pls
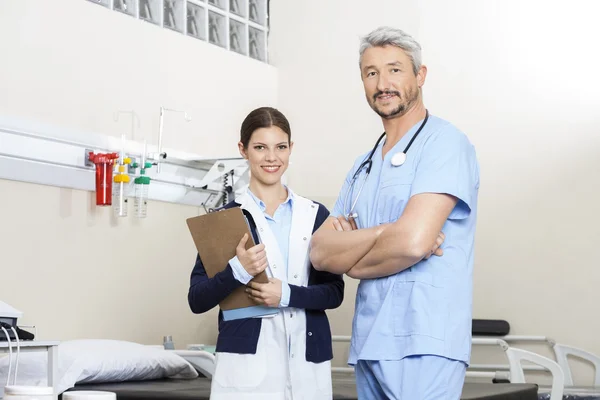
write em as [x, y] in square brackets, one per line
[383, 83]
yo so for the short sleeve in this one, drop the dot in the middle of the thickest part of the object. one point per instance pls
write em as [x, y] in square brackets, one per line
[448, 165]
[338, 208]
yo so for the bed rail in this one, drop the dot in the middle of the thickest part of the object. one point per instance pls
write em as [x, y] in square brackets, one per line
[515, 357]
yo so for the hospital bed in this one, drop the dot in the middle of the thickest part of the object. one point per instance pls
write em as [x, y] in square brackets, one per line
[515, 386]
[344, 387]
[99, 369]
[561, 353]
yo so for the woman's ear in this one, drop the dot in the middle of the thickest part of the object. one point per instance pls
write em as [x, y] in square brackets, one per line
[291, 147]
[242, 150]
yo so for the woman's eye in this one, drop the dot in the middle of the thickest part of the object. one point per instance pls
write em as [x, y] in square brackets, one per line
[283, 147]
[259, 147]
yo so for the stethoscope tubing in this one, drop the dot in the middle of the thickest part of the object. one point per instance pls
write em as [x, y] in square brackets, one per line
[368, 163]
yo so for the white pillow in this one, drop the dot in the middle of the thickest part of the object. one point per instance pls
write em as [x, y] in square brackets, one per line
[86, 361]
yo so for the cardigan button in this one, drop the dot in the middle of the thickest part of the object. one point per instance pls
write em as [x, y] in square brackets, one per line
[295, 276]
[309, 333]
[304, 238]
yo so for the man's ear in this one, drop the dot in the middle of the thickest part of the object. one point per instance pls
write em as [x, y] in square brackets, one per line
[421, 75]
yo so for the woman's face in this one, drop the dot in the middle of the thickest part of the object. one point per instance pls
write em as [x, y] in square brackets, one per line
[268, 154]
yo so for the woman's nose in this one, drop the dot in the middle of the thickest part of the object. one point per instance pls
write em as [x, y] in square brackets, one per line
[271, 155]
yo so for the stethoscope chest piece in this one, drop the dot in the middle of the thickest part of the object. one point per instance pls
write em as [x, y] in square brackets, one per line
[398, 159]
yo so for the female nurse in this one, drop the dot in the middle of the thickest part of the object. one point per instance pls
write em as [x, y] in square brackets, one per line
[280, 349]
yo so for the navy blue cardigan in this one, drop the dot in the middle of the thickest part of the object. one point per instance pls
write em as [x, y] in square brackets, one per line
[324, 291]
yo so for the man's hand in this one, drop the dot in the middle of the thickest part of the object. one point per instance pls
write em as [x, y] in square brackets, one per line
[436, 249]
[268, 294]
[341, 224]
[254, 260]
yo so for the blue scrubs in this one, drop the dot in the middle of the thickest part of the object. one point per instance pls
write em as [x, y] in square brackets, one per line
[414, 377]
[426, 309]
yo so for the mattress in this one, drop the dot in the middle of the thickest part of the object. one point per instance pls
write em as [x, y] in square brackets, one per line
[199, 389]
[569, 394]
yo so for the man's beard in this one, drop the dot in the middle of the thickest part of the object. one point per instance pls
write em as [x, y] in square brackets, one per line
[402, 108]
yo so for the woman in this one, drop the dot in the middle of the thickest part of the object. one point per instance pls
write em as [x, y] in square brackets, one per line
[280, 349]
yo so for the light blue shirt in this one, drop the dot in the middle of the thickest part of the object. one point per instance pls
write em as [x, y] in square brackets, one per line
[281, 225]
[425, 309]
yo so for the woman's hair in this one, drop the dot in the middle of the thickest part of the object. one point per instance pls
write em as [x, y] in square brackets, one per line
[263, 117]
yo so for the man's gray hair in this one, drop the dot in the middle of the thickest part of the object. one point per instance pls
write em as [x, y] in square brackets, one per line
[387, 36]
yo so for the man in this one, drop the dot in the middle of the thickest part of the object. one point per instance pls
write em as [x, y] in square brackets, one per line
[411, 334]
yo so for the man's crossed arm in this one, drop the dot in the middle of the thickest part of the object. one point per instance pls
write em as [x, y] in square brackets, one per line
[338, 247]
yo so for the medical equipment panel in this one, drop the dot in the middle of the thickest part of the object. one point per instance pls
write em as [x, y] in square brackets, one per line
[110, 164]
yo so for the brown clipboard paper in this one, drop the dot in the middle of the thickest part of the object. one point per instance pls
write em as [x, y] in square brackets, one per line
[216, 236]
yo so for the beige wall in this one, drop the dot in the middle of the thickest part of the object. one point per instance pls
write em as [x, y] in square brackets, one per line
[71, 268]
[519, 77]
[74, 63]
[77, 272]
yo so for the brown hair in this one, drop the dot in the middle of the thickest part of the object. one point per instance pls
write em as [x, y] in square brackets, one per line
[263, 117]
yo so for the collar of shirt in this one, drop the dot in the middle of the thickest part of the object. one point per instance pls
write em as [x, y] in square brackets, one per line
[262, 205]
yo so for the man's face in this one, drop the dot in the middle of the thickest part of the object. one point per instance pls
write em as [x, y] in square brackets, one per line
[391, 86]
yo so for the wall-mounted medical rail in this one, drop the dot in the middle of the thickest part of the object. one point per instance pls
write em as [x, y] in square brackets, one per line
[45, 155]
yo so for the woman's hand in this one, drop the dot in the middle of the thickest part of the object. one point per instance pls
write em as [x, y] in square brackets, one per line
[268, 294]
[254, 260]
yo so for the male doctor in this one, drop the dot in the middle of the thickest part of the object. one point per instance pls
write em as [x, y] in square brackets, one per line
[411, 333]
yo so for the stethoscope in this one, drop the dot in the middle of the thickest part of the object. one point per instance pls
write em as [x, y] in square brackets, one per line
[397, 160]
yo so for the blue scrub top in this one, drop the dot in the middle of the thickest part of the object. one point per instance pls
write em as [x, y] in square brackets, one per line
[425, 309]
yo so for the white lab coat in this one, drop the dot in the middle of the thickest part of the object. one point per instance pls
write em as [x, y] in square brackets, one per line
[278, 370]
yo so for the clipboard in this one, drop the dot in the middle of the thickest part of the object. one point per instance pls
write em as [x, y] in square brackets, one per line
[216, 236]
